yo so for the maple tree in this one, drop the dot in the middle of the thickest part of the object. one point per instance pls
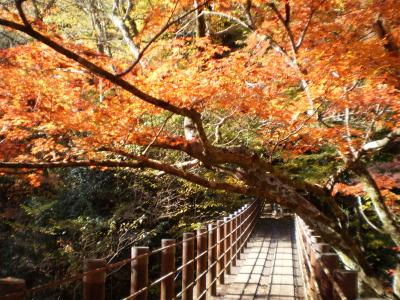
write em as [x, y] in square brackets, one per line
[301, 77]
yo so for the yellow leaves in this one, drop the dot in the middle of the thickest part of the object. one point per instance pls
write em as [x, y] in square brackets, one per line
[35, 179]
[47, 147]
[8, 15]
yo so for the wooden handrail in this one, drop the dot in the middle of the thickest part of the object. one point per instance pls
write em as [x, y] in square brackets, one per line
[322, 276]
[238, 228]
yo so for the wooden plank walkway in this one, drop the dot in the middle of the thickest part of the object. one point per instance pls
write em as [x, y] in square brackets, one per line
[269, 268]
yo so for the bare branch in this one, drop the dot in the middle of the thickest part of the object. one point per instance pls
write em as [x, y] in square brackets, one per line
[225, 31]
[128, 10]
[287, 13]
[379, 144]
[304, 32]
[167, 25]
[221, 122]
[348, 133]
[297, 130]
[285, 23]
[18, 4]
[368, 221]
[353, 163]
[119, 23]
[228, 17]
[143, 162]
[157, 135]
[247, 11]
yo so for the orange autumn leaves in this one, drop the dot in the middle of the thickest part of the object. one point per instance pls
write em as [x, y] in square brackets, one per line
[52, 109]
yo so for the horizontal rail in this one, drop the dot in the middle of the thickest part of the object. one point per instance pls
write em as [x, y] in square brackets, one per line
[312, 260]
[243, 224]
[250, 219]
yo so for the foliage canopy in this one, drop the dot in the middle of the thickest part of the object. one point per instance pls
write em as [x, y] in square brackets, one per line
[256, 85]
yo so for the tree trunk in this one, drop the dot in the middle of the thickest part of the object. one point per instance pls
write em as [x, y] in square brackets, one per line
[388, 222]
[119, 23]
[396, 281]
[247, 12]
[200, 21]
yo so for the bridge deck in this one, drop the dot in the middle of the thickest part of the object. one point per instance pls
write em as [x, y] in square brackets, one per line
[269, 268]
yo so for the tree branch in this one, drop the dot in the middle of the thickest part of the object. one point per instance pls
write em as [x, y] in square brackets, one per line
[247, 11]
[102, 72]
[304, 32]
[379, 144]
[167, 25]
[390, 225]
[18, 4]
[142, 162]
[376, 146]
[368, 221]
[228, 17]
[119, 23]
[157, 135]
[285, 24]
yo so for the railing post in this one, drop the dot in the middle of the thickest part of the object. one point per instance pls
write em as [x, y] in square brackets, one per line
[331, 262]
[201, 264]
[314, 260]
[240, 241]
[304, 236]
[167, 267]
[234, 238]
[212, 259]
[253, 213]
[11, 285]
[253, 209]
[139, 271]
[246, 219]
[347, 280]
[187, 270]
[220, 251]
[251, 216]
[94, 283]
[310, 237]
[227, 233]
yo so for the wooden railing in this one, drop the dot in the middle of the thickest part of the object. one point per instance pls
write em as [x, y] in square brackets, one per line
[207, 256]
[324, 278]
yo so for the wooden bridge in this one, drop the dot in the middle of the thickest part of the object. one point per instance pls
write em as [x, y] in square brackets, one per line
[270, 267]
[249, 254]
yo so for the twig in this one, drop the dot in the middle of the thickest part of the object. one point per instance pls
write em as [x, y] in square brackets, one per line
[157, 135]
[154, 38]
[285, 24]
[304, 32]
[229, 17]
[218, 126]
[359, 207]
[295, 131]
[348, 134]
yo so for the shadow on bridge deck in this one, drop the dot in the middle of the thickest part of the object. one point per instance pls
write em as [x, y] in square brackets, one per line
[269, 267]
